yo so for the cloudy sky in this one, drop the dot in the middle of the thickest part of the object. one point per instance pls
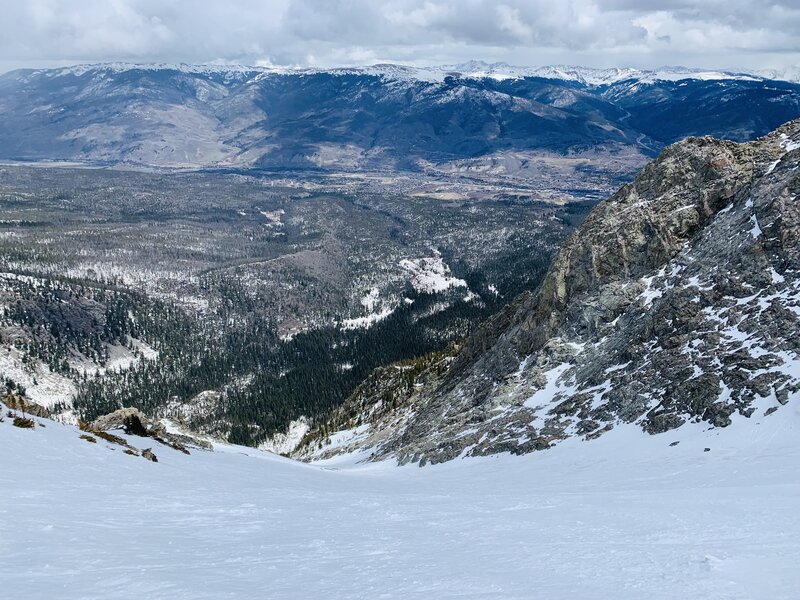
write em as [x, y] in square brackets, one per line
[735, 34]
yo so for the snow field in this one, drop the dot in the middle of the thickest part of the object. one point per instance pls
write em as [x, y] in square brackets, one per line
[626, 516]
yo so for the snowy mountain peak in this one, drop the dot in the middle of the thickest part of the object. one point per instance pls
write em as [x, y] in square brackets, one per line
[122, 67]
[791, 74]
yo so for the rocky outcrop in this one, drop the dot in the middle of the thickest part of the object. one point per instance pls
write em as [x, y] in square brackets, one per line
[134, 422]
[677, 300]
[25, 405]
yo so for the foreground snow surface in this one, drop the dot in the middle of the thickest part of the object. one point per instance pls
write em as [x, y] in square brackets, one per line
[626, 516]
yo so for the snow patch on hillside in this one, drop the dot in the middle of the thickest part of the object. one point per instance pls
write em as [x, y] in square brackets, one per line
[283, 443]
[367, 321]
[42, 385]
[48, 388]
[273, 217]
[370, 300]
[430, 274]
[789, 144]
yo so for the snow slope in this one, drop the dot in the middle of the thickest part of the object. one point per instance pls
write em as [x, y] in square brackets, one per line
[627, 516]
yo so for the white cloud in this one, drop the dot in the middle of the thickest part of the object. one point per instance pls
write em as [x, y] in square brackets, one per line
[512, 22]
[712, 33]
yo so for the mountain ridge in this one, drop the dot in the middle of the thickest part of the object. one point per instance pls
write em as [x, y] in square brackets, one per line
[590, 76]
[488, 118]
[673, 302]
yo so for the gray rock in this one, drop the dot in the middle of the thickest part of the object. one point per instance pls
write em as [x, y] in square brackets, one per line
[677, 300]
[148, 454]
[135, 422]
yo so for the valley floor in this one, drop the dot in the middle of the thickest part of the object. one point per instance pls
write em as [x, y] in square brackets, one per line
[626, 516]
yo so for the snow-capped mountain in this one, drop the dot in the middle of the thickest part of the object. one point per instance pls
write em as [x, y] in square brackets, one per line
[380, 117]
[597, 77]
[469, 70]
[787, 74]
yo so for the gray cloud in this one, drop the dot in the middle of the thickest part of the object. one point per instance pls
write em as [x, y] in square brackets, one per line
[712, 33]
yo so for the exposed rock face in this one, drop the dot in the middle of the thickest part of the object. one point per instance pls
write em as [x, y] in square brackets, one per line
[132, 420]
[25, 405]
[678, 299]
[135, 422]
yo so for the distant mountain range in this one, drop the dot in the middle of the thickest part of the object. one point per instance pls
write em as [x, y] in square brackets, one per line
[469, 70]
[385, 117]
